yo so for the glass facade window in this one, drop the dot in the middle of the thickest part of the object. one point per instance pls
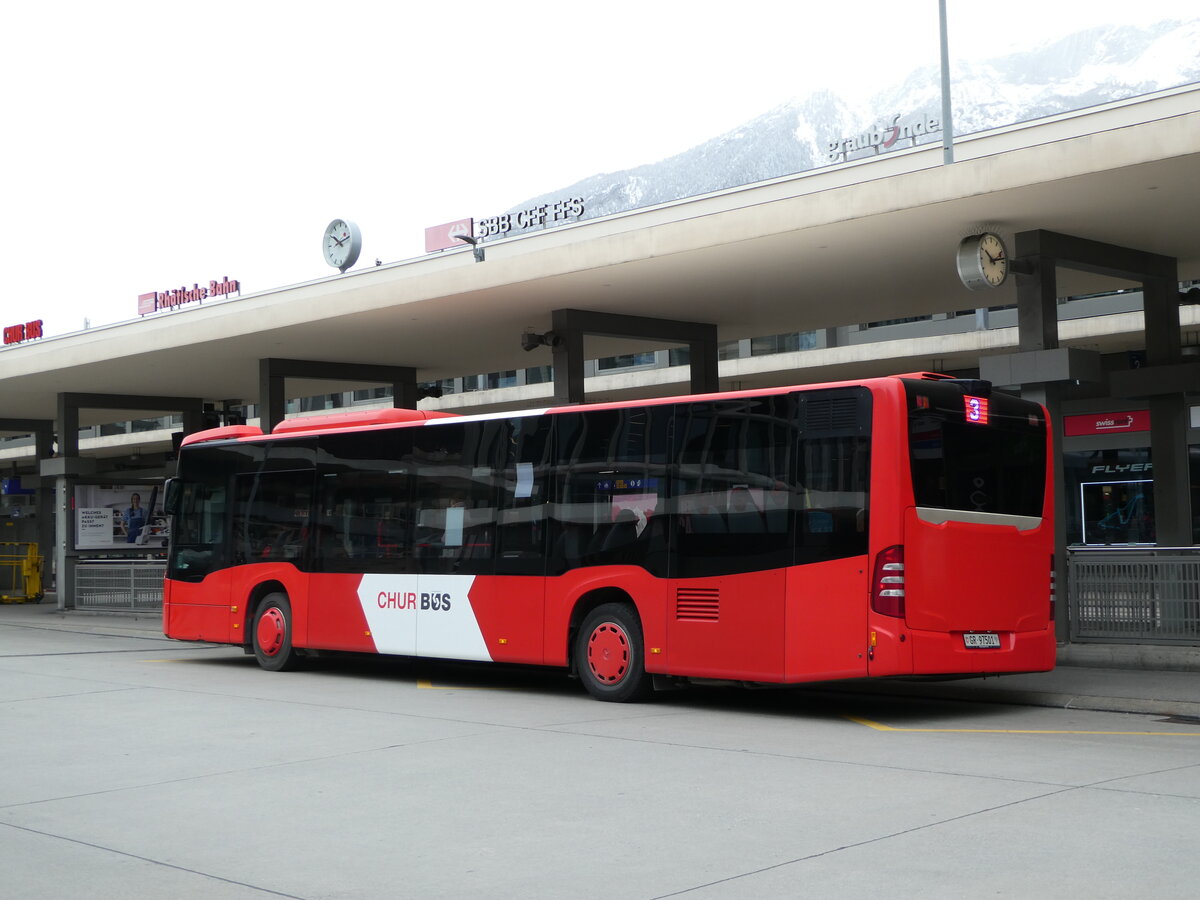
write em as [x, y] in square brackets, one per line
[903, 321]
[783, 343]
[319, 402]
[729, 350]
[497, 380]
[625, 361]
[445, 386]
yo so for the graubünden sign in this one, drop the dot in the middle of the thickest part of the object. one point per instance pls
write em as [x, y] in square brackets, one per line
[881, 138]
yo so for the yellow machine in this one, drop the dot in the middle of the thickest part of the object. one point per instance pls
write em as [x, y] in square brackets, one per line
[20, 573]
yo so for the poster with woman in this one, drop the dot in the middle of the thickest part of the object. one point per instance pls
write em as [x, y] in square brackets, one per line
[118, 516]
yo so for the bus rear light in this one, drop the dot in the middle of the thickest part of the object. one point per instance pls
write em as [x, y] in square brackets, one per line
[887, 584]
[1053, 587]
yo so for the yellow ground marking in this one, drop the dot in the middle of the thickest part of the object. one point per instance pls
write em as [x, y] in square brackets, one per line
[426, 685]
[878, 726]
[176, 659]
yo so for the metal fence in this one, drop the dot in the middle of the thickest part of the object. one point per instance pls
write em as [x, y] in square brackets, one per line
[1145, 596]
[119, 584]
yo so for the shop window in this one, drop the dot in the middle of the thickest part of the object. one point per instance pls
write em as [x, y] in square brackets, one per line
[1194, 469]
[1110, 496]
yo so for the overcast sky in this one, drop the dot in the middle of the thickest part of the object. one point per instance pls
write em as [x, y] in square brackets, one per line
[153, 145]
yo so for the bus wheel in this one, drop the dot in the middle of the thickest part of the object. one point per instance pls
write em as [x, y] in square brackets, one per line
[273, 633]
[609, 655]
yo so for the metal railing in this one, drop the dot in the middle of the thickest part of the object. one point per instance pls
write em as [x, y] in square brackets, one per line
[118, 584]
[1137, 595]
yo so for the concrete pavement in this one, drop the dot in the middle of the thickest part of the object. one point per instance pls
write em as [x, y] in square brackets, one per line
[1110, 677]
[141, 767]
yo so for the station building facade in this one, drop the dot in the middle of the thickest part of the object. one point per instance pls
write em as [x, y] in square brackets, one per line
[1115, 356]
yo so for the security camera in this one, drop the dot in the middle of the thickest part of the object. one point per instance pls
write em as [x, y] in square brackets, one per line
[530, 340]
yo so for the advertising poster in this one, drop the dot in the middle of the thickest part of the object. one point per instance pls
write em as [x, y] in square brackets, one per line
[119, 517]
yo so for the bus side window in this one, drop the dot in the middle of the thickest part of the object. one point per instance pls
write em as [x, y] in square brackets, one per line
[271, 516]
[610, 473]
[835, 472]
[455, 497]
[733, 494]
[521, 525]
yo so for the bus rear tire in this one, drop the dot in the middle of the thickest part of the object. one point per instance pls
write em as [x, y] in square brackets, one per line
[610, 654]
[272, 634]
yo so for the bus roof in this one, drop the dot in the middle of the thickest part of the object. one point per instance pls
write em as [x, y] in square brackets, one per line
[390, 416]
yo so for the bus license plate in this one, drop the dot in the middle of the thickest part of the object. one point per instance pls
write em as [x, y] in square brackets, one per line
[981, 639]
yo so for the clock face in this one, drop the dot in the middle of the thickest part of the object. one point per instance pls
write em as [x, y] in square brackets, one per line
[993, 259]
[342, 244]
[982, 261]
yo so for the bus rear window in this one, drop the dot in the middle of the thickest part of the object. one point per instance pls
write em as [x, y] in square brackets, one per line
[975, 453]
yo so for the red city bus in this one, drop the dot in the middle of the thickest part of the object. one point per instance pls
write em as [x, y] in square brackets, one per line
[890, 526]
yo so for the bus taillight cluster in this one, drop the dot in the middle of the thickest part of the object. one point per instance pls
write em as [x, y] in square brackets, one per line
[887, 586]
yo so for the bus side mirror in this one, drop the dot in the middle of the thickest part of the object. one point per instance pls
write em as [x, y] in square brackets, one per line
[173, 490]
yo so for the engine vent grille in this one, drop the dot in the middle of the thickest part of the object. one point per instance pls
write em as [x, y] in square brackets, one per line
[831, 414]
[697, 604]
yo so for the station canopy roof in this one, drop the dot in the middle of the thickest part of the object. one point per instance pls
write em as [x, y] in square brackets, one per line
[858, 242]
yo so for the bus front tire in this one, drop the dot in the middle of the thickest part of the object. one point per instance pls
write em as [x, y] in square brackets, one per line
[272, 634]
[610, 654]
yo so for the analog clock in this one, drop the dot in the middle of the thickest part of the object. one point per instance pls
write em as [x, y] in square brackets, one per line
[342, 244]
[982, 261]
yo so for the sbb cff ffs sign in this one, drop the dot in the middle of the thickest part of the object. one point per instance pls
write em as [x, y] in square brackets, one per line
[15, 334]
[443, 237]
[545, 214]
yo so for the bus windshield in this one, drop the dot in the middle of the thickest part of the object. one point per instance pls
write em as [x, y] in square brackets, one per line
[976, 453]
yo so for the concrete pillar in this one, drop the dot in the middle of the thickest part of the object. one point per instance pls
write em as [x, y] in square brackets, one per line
[568, 360]
[271, 399]
[1043, 370]
[1037, 297]
[67, 468]
[571, 325]
[273, 374]
[44, 510]
[1051, 396]
[1168, 450]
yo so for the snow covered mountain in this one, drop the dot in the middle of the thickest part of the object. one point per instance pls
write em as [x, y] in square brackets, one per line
[1089, 67]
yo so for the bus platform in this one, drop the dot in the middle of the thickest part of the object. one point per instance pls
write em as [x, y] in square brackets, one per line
[1125, 678]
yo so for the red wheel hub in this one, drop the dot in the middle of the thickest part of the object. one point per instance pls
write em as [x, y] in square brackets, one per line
[608, 653]
[271, 630]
